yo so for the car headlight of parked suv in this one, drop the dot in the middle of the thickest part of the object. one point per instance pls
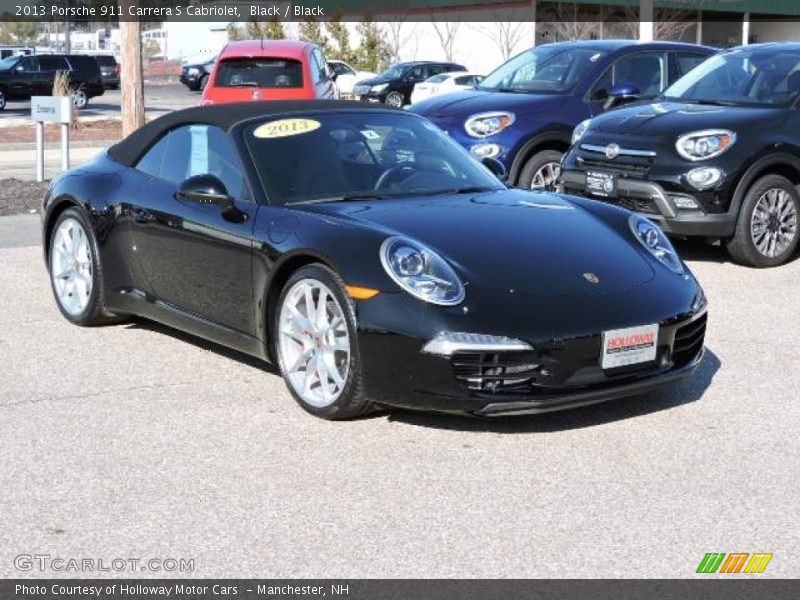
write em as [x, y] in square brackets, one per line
[702, 145]
[579, 130]
[655, 240]
[486, 124]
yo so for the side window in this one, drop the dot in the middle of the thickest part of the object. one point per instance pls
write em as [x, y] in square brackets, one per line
[434, 70]
[195, 150]
[683, 62]
[53, 63]
[467, 80]
[28, 64]
[417, 74]
[645, 70]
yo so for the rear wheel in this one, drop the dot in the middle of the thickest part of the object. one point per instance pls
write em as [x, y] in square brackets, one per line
[2, 99]
[394, 99]
[541, 171]
[75, 273]
[203, 82]
[766, 231]
[316, 345]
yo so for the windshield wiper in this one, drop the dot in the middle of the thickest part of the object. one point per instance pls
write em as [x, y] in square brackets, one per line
[475, 189]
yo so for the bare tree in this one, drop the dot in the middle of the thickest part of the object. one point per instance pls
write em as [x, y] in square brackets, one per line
[446, 31]
[670, 23]
[567, 22]
[506, 35]
[402, 38]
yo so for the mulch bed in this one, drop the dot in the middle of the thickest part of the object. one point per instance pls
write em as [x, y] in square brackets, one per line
[86, 131]
[19, 197]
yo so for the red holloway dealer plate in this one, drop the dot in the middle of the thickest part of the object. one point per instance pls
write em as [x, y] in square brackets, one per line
[629, 346]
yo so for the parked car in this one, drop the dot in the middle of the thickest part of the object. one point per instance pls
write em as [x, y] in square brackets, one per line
[717, 156]
[24, 76]
[394, 86]
[7, 50]
[373, 261]
[257, 70]
[195, 75]
[346, 77]
[524, 112]
[444, 84]
[109, 70]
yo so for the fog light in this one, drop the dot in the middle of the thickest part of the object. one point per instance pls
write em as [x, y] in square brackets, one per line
[484, 150]
[684, 202]
[704, 177]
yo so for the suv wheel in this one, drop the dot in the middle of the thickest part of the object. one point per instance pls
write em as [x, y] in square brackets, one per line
[79, 99]
[541, 171]
[394, 99]
[2, 99]
[766, 232]
[203, 82]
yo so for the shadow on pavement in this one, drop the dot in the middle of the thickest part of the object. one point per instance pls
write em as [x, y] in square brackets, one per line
[678, 394]
[224, 351]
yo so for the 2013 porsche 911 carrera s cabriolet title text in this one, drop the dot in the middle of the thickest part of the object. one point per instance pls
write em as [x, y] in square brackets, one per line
[373, 260]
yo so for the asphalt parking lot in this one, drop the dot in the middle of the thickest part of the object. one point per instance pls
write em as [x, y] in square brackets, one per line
[136, 441]
[161, 99]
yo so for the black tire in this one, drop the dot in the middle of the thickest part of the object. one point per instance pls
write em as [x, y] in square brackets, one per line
[352, 401]
[203, 83]
[3, 99]
[536, 162]
[741, 246]
[94, 313]
[395, 100]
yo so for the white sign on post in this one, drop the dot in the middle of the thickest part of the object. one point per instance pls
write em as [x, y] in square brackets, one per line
[51, 109]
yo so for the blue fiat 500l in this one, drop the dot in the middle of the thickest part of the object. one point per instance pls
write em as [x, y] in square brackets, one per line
[524, 112]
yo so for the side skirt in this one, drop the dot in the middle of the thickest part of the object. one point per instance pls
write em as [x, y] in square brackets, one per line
[137, 302]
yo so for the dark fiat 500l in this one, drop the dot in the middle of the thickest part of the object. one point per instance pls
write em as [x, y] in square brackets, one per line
[524, 112]
[357, 248]
[717, 156]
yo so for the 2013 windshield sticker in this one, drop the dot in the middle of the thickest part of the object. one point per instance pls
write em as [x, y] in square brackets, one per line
[285, 128]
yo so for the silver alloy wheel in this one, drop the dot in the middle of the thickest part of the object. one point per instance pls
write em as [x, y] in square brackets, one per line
[79, 99]
[773, 225]
[2, 100]
[71, 266]
[313, 343]
[547, 175]
[395, 100]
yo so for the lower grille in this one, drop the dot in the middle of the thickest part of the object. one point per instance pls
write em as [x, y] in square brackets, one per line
[502, 371]
[572, 364]
[689, 341]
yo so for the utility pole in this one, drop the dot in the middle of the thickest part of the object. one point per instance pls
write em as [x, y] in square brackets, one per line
[131, 84]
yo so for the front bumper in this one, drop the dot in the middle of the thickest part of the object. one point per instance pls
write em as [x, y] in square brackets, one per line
[567, 372]
[657, 203]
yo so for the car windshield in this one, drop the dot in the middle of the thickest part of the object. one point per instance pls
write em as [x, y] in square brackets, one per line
[548, 69]
[260, 72]
[340, 156]
[394, 72]
[8, 62]
[747, 77]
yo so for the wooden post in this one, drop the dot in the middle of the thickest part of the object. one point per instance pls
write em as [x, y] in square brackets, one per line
[131, 74]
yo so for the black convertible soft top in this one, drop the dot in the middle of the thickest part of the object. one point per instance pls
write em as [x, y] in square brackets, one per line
[223, 116]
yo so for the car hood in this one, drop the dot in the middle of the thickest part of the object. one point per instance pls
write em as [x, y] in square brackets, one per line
[531, 243]
[370, 81]
[469, 102]
[675, 118]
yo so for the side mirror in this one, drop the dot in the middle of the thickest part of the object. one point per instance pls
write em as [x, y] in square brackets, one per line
[495, 166]
[209, 189]
[622, 93]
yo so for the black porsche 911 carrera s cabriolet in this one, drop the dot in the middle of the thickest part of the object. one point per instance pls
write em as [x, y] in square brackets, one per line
[373, 260]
